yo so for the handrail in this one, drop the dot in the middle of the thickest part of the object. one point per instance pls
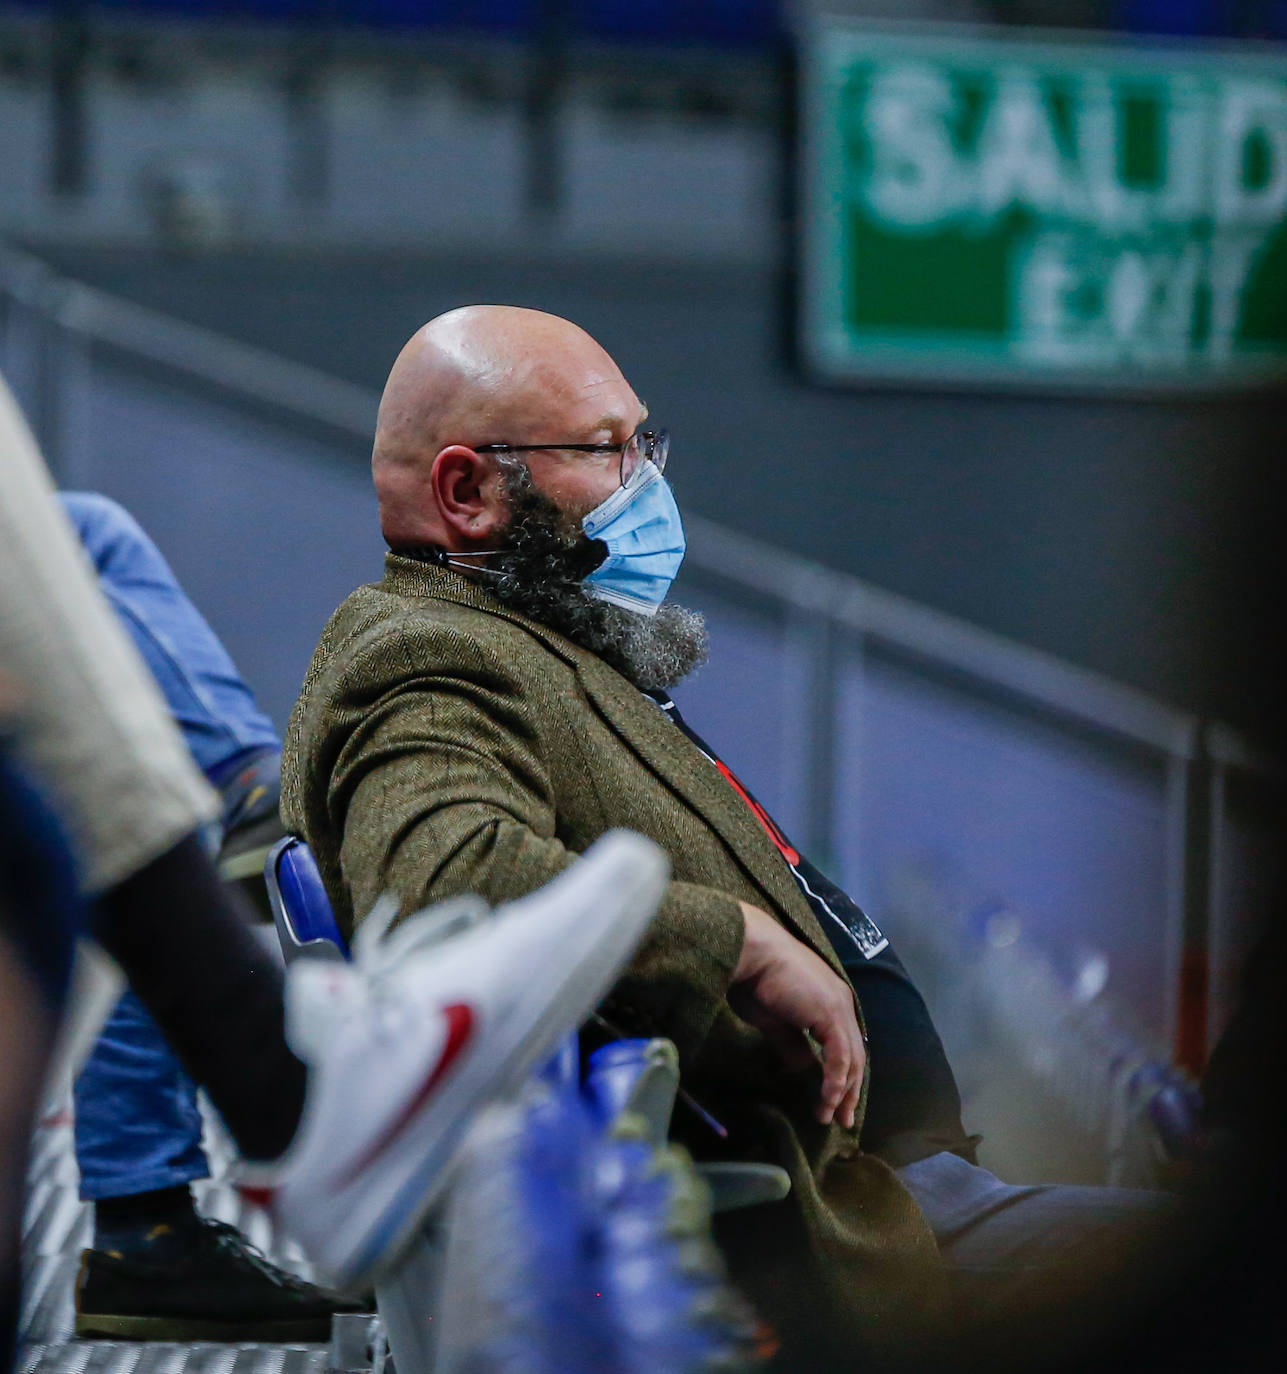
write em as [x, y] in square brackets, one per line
[213, 357]
[942, 639]
[897, 622]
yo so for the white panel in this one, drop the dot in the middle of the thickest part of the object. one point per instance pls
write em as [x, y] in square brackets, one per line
[1071, 835]
[24, 148]
[221, 136]
[660, 182]
[404, 161]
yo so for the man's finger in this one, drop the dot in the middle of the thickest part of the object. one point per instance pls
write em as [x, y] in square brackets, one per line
[837, 1059]
[849, 1107]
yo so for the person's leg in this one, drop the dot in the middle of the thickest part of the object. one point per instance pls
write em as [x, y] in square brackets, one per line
[156, 1143]
[138, 1128]
[987, 1229]
[1039, 1269]
[27, 1026]
[157, 1269]
[99, 735]
[214, 991]
[40, 914]
[208, 698]
[94, 726]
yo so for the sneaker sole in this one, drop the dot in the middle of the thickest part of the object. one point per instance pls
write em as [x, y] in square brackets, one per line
[283, 1331]
[536, 1025]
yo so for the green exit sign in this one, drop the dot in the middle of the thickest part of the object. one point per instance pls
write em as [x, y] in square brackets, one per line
[990, 209]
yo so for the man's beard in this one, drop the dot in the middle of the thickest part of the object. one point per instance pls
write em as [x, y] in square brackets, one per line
[544, 555]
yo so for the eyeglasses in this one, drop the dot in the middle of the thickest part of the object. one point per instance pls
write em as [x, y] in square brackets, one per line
[645, 446]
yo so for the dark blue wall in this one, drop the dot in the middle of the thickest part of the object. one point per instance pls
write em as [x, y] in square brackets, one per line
[738, 23]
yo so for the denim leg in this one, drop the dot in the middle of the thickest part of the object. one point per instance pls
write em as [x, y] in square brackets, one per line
[207, 696]
[986, 1227]
[137, 1122]
[137, 1125]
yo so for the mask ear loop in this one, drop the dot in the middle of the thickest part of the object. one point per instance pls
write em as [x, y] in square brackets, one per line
[441, 558]
[453, 561]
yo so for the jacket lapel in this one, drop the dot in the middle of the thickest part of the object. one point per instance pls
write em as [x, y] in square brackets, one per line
[643, 728]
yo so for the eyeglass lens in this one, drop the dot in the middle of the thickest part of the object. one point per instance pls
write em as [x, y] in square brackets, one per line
[644, 447]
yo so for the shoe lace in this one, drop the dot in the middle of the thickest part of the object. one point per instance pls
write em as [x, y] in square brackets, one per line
[230, 1240]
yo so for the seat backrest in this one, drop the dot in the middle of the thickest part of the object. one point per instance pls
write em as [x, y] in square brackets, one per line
[306, 925]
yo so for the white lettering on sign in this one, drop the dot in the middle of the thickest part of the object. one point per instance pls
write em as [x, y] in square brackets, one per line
[915, 180]
[1118, 265]
[917, 177]
[1017, 158]
[1082, 300]
[1251, 114]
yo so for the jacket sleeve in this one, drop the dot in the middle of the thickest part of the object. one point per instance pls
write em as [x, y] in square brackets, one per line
[440, 789]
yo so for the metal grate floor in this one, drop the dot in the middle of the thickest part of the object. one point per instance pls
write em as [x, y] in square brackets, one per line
[125, 1357]
[56, 1227]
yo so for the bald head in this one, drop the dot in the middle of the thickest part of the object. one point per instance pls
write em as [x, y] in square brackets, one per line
[480, 375]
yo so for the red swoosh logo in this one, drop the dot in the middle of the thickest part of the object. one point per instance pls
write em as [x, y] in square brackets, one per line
[460, 1030]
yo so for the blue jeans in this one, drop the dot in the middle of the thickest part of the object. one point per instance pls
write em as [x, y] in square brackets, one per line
[205, 693]
[137, 1124]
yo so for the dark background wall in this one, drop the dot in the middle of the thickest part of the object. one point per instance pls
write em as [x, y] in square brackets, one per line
[1141, 538]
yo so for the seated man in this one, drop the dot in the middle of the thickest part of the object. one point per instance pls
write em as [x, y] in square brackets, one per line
[157, 1270]
[476, 719]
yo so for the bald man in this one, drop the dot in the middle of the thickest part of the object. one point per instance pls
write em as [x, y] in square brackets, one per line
[476, 719]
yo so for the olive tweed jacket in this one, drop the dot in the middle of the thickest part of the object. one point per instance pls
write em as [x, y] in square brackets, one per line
[444, 744]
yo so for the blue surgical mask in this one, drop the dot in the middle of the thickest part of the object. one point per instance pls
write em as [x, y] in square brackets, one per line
[640, 525]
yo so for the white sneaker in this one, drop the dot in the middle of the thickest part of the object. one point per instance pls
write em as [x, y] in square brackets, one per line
[406, 1043]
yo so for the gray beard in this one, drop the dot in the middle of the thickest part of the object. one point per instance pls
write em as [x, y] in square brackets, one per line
[544, 554]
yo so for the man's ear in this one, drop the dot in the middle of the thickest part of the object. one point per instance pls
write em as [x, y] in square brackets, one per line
[468, 496]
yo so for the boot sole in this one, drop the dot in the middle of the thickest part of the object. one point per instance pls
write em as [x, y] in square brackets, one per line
[284, 1331]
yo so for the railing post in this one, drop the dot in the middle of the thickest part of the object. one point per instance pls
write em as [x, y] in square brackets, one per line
[28, 287]
[69, 442]
[1190, 974]
[1246, 869]
[47, 381]
[809, 733]
[546, 81]
[308, 173]
[68, 63]
[19, 345]
[846, 785]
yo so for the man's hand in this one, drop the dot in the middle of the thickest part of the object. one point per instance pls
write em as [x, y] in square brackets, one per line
[783, 988]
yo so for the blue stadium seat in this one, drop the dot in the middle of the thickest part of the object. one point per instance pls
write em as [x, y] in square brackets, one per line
[306, 925]
[1174, 1108]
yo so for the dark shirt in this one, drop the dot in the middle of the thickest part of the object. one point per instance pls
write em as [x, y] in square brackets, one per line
[913, 1104]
